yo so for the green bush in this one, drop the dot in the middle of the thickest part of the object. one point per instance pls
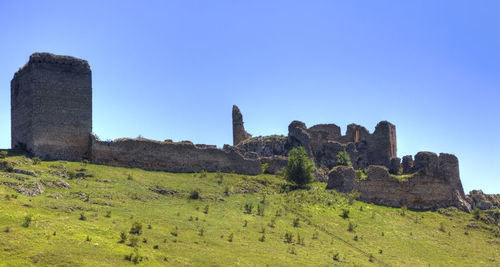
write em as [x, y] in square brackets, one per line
[123, 237]
[27, 221]
[136, 228]
[36, 160]
[343, 158]
[3, 154]
[9, 167]
[195, 194]
[300, 168]
[248, 208]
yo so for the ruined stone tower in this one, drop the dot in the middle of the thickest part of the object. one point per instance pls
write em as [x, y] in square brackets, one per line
[239, 133]
[51, 107]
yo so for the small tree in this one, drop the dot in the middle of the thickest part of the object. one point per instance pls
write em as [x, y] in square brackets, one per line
[300, 168]
[343, 158]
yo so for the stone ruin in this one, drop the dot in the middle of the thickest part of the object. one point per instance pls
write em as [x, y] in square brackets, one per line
[51, 116]
[427, 182]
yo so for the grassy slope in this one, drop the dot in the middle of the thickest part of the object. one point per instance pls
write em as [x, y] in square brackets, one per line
[57, 236]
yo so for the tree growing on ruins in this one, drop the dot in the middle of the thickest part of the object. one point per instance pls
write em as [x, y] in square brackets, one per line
[300, 168]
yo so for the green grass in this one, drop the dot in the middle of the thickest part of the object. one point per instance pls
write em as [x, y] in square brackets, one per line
[216, 229]
[403, 177]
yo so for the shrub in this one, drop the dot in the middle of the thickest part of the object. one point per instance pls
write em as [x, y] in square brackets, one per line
[9, 167]
[260, 210]
[134, 257]
[343, 158]
[262, 238]
[108, 214]
[201, 232]
[300, 168]
[351, 227]
[315, 235]
[360, 174]
[296, 222]
[156, 247]
[248, 208]
[403, 210]
[336, 257]
[134, 242]
[476, 213]
[441, 227]
[230, 237]
[82, 217]
[36, 160]
[3, 154]
[288, 237]
[175, 232]
[195, 194]
[272, 224]
[265, 167]
[27, 221]
[345, 213]
[123, 237]
[205, 210]
[227, 190]
[136, 228]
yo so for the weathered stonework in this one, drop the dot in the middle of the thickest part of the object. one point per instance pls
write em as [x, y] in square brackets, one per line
[170, 156]
[239, 133]
[435, 183]
[51, 107]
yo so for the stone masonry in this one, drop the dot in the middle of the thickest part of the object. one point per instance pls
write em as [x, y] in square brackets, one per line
[51, 107]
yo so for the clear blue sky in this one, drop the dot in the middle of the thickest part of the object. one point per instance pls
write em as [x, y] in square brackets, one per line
[173, 69]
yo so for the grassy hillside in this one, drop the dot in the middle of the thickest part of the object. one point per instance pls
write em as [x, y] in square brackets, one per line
[86, 209]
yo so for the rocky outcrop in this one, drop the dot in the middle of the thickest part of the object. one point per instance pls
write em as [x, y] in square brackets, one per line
[170, 156]
[482, 201]
[239, 133]
[299, 136]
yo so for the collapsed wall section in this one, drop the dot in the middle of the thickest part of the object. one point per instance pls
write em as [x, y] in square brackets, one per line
[170, 156]
[51, 107]
[435, 183]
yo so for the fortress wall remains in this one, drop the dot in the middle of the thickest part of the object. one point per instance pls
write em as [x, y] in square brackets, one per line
[170, 156]
[436, 183]
[51, 107]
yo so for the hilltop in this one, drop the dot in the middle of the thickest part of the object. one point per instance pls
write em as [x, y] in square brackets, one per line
[74, 213]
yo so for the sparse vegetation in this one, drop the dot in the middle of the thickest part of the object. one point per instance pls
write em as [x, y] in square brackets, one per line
[136, 228]
[343, 158]
[181, 226]
[195, 194]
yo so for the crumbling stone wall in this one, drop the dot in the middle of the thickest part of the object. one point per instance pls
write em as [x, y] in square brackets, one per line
[170, 156]
[51, 107]
[435, 183]
[239, 133]
[323, 142]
